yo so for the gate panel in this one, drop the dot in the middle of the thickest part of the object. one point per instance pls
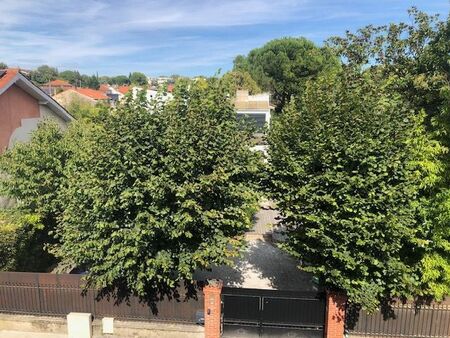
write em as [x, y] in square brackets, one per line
[293, 311]
[272, 313]
[241, 309]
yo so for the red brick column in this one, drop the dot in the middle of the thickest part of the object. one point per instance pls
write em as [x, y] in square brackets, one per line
[213, 308]
[335, 315]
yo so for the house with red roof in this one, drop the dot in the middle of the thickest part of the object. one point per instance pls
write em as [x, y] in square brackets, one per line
[22, 106]
[85, 95]
[123, 89]
[56, 86]
[113, 94]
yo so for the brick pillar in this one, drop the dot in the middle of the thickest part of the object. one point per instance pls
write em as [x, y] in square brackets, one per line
[335, 315]
[213, 308]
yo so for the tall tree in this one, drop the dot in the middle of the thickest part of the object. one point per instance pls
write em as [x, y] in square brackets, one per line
[283, 66]
[72, 76]
[93, 82]
[138, 78]
[44, 74]
[174, 194]
[3, 65]
[418, 55]
[348, 172]
[239, 79]
[120, 80]
[34, 176]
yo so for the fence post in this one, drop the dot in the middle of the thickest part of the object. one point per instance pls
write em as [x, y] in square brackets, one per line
[213, 308]
[335, 314]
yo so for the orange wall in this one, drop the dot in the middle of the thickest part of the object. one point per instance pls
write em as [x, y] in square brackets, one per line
[15, 105]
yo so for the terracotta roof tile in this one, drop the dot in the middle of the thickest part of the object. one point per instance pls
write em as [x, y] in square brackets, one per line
[104, 88]
[92, 93]
[58, 83]
[124, 89]
[7, 76]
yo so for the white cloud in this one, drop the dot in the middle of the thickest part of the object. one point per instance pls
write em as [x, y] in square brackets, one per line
[118, 35]
[62, 32]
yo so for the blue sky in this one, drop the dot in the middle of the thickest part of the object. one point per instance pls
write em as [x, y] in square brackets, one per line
[178, 36]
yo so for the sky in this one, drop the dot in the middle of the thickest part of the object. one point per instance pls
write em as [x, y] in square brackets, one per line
[164, 37]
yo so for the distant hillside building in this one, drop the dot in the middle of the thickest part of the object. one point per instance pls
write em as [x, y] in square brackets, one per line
[22, 106]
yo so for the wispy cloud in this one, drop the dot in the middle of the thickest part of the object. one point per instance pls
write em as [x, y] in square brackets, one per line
[160, 35]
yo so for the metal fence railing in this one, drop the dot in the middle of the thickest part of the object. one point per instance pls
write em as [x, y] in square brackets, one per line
[59, 294]
[427, 321]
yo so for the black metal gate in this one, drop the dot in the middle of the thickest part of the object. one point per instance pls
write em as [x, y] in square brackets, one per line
[272, 313]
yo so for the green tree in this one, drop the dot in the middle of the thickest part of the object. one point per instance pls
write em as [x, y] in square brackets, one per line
[72, 76]
[138, 78]
[105, 79]
[174, 194]
[33, 174]
[120, 80]
[22, 242]
[3, 65]
[283, 66]
[418, 55]
[90, 81]
[81, 109]
[348, 171]
[44, 74]
[241, 80]
[93, 82]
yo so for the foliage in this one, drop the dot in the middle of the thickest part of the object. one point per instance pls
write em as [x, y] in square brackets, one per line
[151, 197]
[138, 78]
[241, 80]
[82, 109]
[347, 171]
[44, 74]
[104, 79]
[283, 66]
[120, 80]
[34, 172]
[22, 242]
[71, 76]
[3, 65]
[418, 54]
[90, 81]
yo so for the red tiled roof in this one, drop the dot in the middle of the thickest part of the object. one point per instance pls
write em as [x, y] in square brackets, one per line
[7, 76]
[124, 89]
[58, 83]
[92, 93]
[170, 88]
[104, 88]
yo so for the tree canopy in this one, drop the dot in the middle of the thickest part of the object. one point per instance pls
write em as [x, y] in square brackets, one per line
[417, 54]
[359, 166]
[120, 80]
[72, 76]
[44, 74]
[174, 194]
[138, 78]
[346, 171]
[283, 66]
[33, 174]
[239, 79]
